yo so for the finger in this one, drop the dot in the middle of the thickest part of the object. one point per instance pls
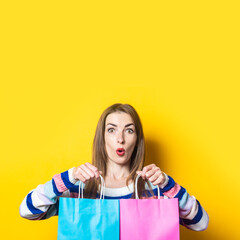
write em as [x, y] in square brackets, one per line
[148, 167]
[98, 173]
[86, 172]
[158, 181]
[154, 177]
[93, 168]
[141, 174]
[77, 174]
[144, 172]
[151, 172]
[81, 178]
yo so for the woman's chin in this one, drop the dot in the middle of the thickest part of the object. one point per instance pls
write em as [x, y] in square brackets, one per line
[120, 160]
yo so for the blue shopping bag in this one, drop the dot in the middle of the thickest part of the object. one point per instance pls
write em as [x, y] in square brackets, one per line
[88, 219]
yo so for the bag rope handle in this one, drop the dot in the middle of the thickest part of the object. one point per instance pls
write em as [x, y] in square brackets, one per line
[136, 192]
[102, 192]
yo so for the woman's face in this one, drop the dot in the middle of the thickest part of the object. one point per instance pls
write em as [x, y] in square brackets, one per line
[120, 137]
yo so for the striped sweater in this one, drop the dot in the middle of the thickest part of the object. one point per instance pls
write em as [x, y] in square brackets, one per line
[42, 202]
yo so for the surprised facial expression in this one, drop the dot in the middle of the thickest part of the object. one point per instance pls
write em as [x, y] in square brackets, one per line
[120, 137]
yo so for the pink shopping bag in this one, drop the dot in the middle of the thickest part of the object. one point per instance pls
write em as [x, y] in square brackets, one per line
[149, 219]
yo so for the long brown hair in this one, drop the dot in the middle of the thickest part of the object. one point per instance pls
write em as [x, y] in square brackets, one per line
[99, 153]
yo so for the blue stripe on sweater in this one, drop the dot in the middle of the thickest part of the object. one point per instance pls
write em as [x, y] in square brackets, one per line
[74, 188]
[30, 206]
[197, 218]
[66, 180]
[55, 188]
[180, 193]
[155, 191]
[170, 185]
[181, 221]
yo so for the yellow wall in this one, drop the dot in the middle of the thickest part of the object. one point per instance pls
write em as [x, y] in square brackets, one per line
[176, 62]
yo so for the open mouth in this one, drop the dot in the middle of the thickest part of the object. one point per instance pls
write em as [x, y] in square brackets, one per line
[120, 151]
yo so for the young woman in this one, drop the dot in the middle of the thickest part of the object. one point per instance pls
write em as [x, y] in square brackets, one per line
[118, 155]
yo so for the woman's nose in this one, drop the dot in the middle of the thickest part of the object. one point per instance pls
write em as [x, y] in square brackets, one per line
[120, 138]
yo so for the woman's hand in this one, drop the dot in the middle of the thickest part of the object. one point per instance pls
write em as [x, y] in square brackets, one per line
[153, 174]
[86, 172]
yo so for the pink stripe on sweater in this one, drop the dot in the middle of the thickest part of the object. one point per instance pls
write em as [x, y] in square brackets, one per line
[173, 191]
[59, 183]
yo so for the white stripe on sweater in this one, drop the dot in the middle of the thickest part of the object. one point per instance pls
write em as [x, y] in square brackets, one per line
[190, 201]
[202, 224]
[39, 201]
[193, 212]
[25, 212]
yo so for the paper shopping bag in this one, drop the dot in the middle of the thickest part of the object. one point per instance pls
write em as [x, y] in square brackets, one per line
[149, 219]
[88, 219]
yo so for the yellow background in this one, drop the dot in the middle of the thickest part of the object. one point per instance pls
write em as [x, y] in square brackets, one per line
[176, 62]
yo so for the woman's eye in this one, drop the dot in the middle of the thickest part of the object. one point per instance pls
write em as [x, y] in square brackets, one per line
[129, 130]
[110, 130]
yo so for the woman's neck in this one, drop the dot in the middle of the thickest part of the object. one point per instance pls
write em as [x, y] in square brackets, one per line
[116, 171]
[116, 175]
[119, 183]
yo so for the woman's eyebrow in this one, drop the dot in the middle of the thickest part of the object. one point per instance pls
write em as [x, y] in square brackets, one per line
[127, 125]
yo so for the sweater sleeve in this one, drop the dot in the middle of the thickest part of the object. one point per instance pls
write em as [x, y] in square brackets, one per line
[42, 202]
[192, 214]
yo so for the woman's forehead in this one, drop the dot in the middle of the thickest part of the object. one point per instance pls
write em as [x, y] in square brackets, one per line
[119, 118]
